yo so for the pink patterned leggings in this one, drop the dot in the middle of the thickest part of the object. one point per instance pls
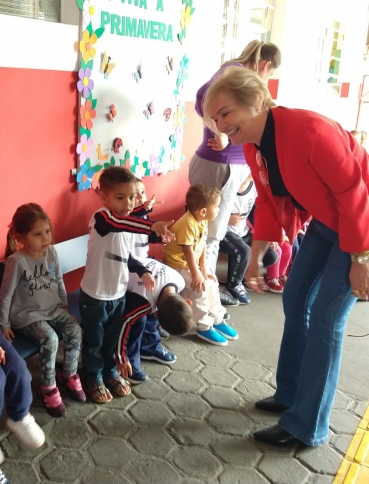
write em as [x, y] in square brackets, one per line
[284, 258]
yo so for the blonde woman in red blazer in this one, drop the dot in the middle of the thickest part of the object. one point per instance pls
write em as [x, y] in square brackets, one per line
[304, 165]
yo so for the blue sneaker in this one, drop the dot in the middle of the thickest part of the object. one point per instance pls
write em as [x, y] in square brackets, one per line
[213, 337]
[163, 356]
[238, 292]
[138, 376]
[226, 330]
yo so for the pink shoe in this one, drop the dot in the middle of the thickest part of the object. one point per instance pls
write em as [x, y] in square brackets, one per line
[274, 285]
[53, 402]
[73, 386]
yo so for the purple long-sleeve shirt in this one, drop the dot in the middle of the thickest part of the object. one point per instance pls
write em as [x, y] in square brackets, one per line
[231, 154]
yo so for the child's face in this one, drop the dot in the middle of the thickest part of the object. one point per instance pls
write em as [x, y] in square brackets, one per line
[121, 199]
[140, 194]
[212, 210]
[38, 239]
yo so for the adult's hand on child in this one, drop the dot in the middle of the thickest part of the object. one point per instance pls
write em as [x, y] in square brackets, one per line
[148, 280]
[252, 278]
[236, 219]
[125, 369]
[161, 228]
[219, 142]
[2, 356]
[211, 276]
[8, 334]
[198, 283]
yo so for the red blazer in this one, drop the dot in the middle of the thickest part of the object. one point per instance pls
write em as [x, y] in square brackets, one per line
[325, 170]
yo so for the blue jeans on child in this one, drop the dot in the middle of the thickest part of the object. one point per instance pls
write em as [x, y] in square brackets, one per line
[101, 323]
[15, 383]
[317, 300]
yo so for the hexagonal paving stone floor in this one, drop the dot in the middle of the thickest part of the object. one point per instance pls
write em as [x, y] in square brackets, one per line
[192, 423]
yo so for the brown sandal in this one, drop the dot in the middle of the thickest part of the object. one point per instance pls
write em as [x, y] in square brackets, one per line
[95, 392]
[120, 386]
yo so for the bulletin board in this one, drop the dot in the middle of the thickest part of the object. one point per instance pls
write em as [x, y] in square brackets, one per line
[133, 67]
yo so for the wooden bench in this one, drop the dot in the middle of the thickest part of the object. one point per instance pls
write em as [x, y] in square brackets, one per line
[72, 255]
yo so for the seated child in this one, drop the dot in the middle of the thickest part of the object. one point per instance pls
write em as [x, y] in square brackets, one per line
[104, 283]
[187, 254]
[34, 301]
[238, 240]
[173, 312]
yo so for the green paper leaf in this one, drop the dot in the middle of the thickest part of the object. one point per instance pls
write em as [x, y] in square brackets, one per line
[90, 64]
[127, 155]
[94, 102]
[180, 37]
[80, 4]
[89, 28]
[88, 163]
[189, 3]
[83, 64]
[106, 165]
[99, 32]
[112, 161]
[192, 11]
[90, 96]
[85, 131]
[121, 162]
[97, 168]
[183, 2]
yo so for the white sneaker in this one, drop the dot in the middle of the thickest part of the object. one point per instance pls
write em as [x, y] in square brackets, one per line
[2, 458]
[28, 431]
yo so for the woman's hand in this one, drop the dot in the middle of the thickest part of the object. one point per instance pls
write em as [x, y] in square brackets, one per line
[8, 334]
[252, 277]
[2, 356]
[219, 142]
[359, 279]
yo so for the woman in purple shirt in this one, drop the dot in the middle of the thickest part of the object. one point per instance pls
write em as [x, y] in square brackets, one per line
[225, 167]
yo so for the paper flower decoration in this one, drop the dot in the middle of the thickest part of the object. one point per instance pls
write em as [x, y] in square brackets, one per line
[87, 114]
[88, 11]
[85, 84]
[186, 16]
[153, 164]
[138, 168]
[86, 46]
[84, 148]
[179, 117]
[84, 178]
[183, 69]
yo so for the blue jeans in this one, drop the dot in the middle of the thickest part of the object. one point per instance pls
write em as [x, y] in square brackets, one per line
[317, 300]
[101, 323]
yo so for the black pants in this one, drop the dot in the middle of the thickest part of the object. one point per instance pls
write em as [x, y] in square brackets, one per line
[239, 251]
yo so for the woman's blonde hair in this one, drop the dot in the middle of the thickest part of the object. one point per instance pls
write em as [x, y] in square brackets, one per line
[256, 51]
[244, 85]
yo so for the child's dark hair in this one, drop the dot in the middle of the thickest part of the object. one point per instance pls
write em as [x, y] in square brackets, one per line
[23, 221]
[174, 314]
[200, 196]
[114, 176]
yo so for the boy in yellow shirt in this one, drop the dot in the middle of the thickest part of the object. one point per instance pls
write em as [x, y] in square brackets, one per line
[187, 254]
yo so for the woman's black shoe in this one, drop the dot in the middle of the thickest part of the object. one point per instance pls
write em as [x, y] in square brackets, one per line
[270, 405]
[275, 436]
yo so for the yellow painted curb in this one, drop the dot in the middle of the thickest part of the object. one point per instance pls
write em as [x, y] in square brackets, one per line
[358, 450]
[351, 473]
[364, 424]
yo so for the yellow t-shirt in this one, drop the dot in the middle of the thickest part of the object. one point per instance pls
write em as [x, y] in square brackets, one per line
[188, 232]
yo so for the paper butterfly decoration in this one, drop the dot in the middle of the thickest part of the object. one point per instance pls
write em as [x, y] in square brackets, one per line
[106, 67]
[138, 74]
[167, 114]
[112, 112]
[170, 64]
[150, 110]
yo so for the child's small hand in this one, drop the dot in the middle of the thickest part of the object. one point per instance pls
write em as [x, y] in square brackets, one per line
[198, 283]
[2, 356]
[219, 142]
[8, 334]
[168, 238]
[149, 204]
[274, 245]
[125, 369]
[148, 280]
[236, 219]
[161, 228]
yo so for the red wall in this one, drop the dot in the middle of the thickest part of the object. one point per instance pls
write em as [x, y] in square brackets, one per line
[38, 126]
